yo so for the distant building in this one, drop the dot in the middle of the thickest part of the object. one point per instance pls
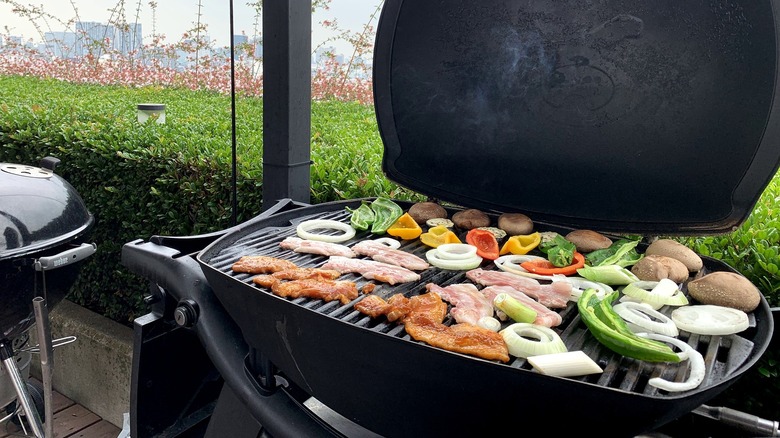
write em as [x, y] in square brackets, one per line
[98, 38]
[60, 44]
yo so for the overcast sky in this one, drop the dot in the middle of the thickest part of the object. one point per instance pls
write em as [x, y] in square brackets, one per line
[174, 17]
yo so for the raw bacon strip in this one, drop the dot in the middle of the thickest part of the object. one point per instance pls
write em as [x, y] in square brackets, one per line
[555, 295]
[544, 316]
[316, 247]
[383, 253]
[422, 319]
[469, 304]
[261, 265]
[372, 270]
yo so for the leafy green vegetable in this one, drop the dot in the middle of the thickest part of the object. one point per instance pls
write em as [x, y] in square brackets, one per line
[560, 252]
[622, 253]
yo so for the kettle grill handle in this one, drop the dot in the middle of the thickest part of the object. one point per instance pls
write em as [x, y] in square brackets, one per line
[65, 258]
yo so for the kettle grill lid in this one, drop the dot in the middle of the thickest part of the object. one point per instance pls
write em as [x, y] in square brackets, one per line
[38, 210]
[630, 116]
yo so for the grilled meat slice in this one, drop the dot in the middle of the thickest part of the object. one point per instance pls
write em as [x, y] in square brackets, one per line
[555, 295]
[372, 269]
[544, 316]
[316, 247]
[383, 253]
[468, 304]
[422, 316]
[323, 289]
[304, 273]
[259, 264]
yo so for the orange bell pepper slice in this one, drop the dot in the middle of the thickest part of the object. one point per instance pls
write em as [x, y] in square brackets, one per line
[545, 267]
[405, 227]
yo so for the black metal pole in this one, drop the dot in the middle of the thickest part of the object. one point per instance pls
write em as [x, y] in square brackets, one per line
[286, 100]
[233, 218]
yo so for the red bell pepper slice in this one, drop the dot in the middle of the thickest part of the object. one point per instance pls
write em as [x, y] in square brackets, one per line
[485, 241]
[545, 267]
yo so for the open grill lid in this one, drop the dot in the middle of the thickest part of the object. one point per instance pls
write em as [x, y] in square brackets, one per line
[620, 116]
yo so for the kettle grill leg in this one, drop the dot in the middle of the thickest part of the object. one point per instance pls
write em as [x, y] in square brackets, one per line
[34, 420]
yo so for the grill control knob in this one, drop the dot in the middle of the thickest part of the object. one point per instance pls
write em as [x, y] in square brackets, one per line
[186, 314]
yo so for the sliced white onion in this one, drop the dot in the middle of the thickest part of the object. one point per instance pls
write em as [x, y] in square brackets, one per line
[388, 241]
[304, 230]
[707, 319]
[656, 293]
[579, 284]
[697, 368]
[566, 364]
[456, 251]
[511, 263]
[489, 323]
[646, 318]
[544, 340]
[435, 259]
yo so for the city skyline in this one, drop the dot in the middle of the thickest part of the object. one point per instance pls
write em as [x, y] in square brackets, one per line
[169, 20]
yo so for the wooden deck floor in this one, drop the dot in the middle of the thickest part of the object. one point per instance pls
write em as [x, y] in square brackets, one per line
[70, 421]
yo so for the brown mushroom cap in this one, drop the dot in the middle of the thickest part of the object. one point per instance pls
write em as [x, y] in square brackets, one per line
[726, 289]
[470, 219]
[515, 224]
[588, 240]
[676, 250]
[657, 267]
[422, 211]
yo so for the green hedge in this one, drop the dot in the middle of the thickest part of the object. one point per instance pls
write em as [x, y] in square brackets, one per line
[174, 179]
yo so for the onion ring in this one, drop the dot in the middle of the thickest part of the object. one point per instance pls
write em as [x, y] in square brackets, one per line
[304, 230]
[698, 368]
[435, 259]
[511, 263]
[646, 318]
[547, 340]
[456, 251]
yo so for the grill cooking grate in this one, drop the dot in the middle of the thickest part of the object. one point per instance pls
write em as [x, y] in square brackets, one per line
[722, 354]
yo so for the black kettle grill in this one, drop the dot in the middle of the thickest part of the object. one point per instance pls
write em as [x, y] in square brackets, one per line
[44, 224]
[623, 117]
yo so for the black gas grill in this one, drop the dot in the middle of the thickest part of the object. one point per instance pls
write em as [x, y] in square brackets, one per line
[623, 117]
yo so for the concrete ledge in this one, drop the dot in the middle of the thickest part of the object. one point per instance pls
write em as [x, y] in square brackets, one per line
[95, 370]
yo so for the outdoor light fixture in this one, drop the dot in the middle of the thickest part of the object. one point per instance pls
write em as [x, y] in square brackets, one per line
[147, 110]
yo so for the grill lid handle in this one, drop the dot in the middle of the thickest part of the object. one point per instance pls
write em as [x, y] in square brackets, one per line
[66, 257]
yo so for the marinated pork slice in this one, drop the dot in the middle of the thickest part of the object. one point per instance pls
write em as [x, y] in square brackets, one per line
[372, 270]
[326, 290]
[268, 280]
[383, 253]
[555, 295]
[468, 303]
[544, 316]
[316, 247]
[259, 264]
[422, 317]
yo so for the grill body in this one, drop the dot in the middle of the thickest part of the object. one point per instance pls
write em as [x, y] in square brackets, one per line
[328, 350]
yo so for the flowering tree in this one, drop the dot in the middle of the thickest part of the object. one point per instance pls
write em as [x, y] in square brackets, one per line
[192, 62]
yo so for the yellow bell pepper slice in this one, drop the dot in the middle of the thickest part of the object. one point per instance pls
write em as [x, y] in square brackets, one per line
[405, 227]
[521, 244]
[439, 235]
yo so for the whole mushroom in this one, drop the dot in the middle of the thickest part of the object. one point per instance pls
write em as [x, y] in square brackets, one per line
[470, 219]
